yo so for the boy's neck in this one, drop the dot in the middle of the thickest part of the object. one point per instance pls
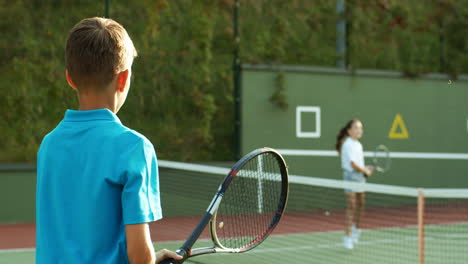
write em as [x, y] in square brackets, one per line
[93, 101]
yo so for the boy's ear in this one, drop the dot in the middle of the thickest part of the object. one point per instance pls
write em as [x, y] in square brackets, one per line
[122, 79]
[69, 80]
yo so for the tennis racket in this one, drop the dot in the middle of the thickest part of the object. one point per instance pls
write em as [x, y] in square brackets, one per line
[246, 208]
[381, 160]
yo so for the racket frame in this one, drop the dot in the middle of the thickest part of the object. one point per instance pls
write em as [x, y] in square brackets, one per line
[379, 149]
[209, 217]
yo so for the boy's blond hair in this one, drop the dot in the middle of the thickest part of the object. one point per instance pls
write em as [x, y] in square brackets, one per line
[97, 49]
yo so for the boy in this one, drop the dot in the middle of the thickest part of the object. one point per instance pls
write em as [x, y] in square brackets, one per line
[97, 180]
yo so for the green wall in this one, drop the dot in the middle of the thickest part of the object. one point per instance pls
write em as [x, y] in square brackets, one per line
[17, 196]
[434, 110]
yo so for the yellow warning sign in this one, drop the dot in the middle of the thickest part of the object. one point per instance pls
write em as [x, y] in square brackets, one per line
[398, 129]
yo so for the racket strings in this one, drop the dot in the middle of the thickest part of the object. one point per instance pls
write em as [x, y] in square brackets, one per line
[250, 203]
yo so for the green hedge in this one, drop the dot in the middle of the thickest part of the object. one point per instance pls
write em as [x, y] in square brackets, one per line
[181, 96]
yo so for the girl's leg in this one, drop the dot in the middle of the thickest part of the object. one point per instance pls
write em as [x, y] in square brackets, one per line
[359, 212]
[350, 212]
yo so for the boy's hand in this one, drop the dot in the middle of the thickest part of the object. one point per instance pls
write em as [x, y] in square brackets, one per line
[165, 254]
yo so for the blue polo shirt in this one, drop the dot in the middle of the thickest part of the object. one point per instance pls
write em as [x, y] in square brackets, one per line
[94, 176]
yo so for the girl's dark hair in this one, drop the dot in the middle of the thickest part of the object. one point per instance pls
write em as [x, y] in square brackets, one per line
[343, 134]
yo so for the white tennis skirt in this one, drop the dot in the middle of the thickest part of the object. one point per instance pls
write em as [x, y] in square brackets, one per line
[354, 176]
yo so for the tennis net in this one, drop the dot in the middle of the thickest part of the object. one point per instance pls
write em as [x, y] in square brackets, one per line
[398, 224]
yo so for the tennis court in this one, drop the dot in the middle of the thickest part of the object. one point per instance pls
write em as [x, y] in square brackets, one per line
[322, 247]
[312, 228]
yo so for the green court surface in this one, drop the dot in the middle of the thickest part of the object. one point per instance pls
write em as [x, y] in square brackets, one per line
[392, 245]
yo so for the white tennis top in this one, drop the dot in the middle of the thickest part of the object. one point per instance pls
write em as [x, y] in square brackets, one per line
[351, 150]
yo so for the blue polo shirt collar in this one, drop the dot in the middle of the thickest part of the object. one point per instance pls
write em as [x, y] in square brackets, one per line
[90, 115]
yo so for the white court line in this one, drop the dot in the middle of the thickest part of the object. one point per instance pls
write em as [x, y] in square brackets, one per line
[266, 250]
[335, 245]
[397, 155]
[17, 250]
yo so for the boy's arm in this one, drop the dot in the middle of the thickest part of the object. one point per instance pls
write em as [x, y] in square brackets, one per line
[139, 246]
[140, 199]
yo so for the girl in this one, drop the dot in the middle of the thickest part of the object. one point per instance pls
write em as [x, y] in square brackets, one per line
[352, 163]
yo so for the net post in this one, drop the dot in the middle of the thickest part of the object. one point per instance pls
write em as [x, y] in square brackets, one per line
[341, 34]
[237, 82]
[106, 8]
[421, 225]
